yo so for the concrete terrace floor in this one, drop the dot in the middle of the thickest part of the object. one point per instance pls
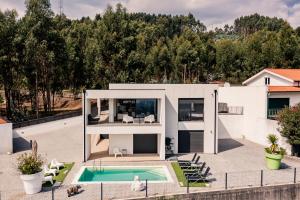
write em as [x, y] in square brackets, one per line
[242, 159]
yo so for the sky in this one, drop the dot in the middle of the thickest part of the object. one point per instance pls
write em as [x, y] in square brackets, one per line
[213, 13]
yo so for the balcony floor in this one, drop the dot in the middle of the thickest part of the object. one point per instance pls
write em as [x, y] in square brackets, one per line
[123, 124]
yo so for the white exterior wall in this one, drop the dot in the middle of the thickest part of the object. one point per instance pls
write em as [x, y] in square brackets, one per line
[121, 141]
[231, 126]
[6, 141]
[172, 93]
[253, 124]
[274, 80]
[293, 96]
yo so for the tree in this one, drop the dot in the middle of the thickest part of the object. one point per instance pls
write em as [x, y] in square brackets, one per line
[289, 124]
[10, 64]
[39, 53]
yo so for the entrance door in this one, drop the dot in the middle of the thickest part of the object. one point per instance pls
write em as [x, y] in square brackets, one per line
[190, 141]
[145, 143]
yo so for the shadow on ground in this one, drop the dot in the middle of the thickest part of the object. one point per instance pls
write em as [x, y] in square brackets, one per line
[20, 144]
[228, 144]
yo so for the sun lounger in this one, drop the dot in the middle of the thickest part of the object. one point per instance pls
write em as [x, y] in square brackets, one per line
[187, 164]
[55, 164]
[186, 161]
[200, 177]
[195, 170]
[49, 171]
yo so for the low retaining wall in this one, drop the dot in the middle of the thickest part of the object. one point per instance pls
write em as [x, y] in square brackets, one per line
[47, 127]
[278, 192]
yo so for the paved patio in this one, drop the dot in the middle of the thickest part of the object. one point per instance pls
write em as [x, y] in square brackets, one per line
[242, 159]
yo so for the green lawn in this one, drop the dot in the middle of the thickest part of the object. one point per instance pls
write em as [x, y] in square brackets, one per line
[181, 178]
[60, 177]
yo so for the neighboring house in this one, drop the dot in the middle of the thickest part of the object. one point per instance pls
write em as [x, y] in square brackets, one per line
[261, 97]
[137, 118]
[6, 141]
[283, 87]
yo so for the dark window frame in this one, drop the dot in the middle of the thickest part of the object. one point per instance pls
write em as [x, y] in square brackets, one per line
[267, 80]
[134, 107]
[181, 118]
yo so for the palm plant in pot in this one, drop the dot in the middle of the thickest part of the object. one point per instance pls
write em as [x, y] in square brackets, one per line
[30, 166]
[274, 153]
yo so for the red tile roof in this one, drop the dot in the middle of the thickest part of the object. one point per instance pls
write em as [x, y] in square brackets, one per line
[293, 74]
[283, 89]
[2, 121]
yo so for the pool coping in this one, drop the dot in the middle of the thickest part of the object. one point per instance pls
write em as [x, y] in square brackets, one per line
[82, 168]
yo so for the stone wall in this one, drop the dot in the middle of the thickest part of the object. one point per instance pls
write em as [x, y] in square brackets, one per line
[279, 192]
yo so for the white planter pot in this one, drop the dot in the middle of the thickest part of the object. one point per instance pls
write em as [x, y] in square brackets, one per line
[33, 182]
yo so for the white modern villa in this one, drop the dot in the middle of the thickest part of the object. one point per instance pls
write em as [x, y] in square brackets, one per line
[137, 118]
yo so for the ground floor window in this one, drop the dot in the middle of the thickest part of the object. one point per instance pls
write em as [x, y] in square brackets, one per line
[190, 141]
[275, 105]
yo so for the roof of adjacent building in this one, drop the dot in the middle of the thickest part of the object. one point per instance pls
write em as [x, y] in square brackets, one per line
[293, 74]
[283, 89]
[2, 121]
[290, 75]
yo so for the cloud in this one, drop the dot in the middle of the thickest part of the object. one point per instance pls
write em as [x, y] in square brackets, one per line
[212, 13]
[294, 16]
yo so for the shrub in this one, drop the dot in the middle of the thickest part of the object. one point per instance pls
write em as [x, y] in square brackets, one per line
[289, 124]
[274, 147]
[30, 164]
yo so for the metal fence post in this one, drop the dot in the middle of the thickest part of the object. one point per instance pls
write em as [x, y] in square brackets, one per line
[188, 186]
[226, 181]
[146, 188]
[295, 177]
[101, 194]
[261, 178]
[52, 193]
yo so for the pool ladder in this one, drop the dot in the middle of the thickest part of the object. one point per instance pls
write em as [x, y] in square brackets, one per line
[100, 166]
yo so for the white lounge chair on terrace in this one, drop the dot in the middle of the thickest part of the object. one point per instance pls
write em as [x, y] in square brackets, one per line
[49, 171]
[48, 178]
[149, 119]
[117, 152]
[137, 185]
[127, 119]
[56, 164]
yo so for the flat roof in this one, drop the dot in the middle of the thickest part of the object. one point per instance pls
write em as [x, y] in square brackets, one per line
[126, 93]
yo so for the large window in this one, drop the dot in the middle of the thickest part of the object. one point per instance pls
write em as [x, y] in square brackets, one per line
[190, 109]
[136, 107]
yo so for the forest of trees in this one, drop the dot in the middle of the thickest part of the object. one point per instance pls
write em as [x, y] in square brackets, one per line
[41, 53]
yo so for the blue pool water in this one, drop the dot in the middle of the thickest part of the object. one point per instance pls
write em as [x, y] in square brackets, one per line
[123, 174]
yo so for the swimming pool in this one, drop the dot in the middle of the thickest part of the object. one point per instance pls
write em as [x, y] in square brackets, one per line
[122, 174]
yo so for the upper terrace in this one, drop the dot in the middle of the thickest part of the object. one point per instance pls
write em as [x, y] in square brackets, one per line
[120, 109]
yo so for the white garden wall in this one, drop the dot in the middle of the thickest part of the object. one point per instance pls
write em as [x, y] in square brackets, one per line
[6, 139]
[253, 125]
[47, 127]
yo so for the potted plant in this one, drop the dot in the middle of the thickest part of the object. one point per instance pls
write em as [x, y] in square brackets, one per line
[30, 166]
[274, 153]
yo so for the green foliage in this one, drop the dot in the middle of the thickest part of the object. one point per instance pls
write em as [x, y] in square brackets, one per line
[289, 124]
[274, 147]
[43, 54]
[29, 164]
[1, 99]
[62, 174]
[181, 177]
